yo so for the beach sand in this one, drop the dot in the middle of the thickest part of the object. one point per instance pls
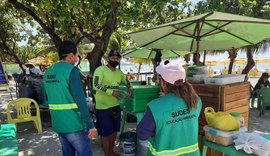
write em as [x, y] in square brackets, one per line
[47, 143]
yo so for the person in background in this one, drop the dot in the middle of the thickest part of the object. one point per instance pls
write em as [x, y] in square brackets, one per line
[195, 60]
[170, 123]
[129, 76]
[107, 79]
[166, 62]
[262, 82]
[32, 70]
[67, 103]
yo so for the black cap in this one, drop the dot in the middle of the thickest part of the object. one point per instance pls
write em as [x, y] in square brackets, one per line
[114, 53]
[67, 47]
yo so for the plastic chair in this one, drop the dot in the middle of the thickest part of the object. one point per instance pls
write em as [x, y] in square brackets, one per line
[263, 99]
[251, 96]
[22, 106]
[266, 70]
[255, 72]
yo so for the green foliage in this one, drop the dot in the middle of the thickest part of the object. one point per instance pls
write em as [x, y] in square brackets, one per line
[253, 8]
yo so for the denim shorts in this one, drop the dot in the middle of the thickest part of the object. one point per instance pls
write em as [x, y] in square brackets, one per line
[107, 121]
[75, 143]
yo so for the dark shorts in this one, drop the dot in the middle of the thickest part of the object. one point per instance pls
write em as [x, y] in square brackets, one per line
[108, 120]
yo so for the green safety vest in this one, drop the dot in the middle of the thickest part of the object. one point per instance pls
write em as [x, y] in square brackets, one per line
[176, 127]
[65, 115]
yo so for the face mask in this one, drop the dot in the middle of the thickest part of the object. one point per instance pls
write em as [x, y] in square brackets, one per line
[113, 63]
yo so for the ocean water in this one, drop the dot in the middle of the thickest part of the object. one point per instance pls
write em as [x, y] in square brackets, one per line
[133, 68]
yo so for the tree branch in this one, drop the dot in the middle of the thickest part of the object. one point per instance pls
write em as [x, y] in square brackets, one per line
[19, 6]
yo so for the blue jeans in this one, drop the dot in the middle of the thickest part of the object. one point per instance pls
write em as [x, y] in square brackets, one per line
[76, 142]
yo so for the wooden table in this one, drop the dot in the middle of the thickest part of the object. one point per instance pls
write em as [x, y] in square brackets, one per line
[229, 150]
[229, 98]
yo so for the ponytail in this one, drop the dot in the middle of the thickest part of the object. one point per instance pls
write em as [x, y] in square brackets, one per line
[184, 90]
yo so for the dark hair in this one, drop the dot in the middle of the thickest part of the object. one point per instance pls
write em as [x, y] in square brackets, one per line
[264, 75]
[65, 48]
[184, 90]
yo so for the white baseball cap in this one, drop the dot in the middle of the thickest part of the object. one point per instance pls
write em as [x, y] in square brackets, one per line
[171, 72]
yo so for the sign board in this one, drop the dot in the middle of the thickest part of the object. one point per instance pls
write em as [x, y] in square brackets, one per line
[3, 78]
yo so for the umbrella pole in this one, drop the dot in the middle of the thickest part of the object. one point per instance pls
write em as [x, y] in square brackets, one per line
[197, 52]
[204, 56]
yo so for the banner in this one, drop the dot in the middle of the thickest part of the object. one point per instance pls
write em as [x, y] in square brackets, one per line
[3, 78]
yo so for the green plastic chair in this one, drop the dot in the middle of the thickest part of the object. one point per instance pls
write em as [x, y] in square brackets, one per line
[263, 99]
[251, 96]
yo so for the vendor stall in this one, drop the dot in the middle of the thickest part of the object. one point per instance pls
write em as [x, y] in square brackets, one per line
[229, 98]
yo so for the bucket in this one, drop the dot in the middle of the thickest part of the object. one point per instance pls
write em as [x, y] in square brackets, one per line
[129, 143]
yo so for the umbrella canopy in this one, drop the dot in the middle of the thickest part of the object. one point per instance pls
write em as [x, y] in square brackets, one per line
[211, 62]
[265, 60]
[40, 61]
[236, 61]
[209, 31]
[150, 53]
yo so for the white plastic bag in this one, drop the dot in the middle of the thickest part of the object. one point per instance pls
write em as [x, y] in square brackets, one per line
[253, 143]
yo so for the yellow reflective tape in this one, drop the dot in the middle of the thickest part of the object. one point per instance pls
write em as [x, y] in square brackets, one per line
[175, 152]
[63, 106]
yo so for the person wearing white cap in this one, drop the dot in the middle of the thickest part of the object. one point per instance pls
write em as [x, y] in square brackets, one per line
[170, 123]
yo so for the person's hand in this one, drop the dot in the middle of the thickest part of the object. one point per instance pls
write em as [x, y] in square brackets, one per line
[116, 94]
[92, 133]
[130, 92]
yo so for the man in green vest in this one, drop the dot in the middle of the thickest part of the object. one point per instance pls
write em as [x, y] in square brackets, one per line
[107, 79]
[170, 123]
[67, 103]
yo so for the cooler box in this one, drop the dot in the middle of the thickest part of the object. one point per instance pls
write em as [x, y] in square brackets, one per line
[8, 140]
[135, 83]
[140, 98]
[221, 137]
[225, 79]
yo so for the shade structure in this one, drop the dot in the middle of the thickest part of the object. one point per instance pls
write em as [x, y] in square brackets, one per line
[40, 61]
[262, 60]
[150, 53]
[211, 62]
[208, 31]
[236, 61]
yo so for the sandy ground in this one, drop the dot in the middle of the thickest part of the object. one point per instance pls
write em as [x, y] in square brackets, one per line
[47, 143]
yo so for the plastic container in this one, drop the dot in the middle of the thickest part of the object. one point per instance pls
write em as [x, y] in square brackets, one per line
[221, 137]
[139, 99]
[239, 117]
[129, 143]
[225, 79]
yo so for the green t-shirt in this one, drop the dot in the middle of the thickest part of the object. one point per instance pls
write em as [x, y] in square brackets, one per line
[104, 83]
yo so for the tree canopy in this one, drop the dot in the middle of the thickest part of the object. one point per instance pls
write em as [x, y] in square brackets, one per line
[97, 20]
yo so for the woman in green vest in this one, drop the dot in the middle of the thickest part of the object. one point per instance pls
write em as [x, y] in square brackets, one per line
[68, 108]
[170, 123]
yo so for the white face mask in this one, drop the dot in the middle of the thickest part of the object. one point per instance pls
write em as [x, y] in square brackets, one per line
[77, 62]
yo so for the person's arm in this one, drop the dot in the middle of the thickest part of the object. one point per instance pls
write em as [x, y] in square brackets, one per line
[97, 82]
[147, 126]
[76, 89]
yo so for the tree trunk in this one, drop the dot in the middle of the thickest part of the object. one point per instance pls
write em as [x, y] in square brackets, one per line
[19, 62]
[139, 71]
[95, 57]
[232, 56]
[250, 61]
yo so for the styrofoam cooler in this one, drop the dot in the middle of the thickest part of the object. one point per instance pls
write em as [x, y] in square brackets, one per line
[225, 79]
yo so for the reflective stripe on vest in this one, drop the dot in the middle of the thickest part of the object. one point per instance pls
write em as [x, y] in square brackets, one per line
[63, 106]
[175, 152]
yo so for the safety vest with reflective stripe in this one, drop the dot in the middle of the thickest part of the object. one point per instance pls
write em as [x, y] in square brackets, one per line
[62, 106]
[64, 111]
[176, 127]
